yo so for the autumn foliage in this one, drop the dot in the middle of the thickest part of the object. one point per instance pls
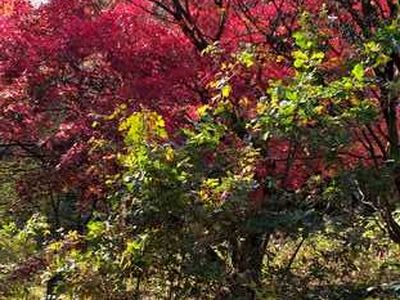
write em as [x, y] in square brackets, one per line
[218, 122]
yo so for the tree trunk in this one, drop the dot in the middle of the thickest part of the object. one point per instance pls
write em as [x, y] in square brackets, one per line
[247, 256]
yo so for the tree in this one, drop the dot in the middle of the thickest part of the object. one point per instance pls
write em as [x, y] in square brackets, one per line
[259, 86]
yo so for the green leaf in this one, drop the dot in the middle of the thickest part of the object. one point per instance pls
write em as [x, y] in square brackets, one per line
[372, 46]
[291, 95]
[298, 63]
[95, 229]
[347, 83]
[302, 40]
[358, 72]
[300, 58]
[318, 56]
[247, 59]
[381, 60]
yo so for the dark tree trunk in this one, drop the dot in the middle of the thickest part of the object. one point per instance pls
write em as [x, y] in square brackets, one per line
[389, 104]
[247, 256]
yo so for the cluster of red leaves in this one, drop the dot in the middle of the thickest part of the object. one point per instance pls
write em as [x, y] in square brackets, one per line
[70, 63]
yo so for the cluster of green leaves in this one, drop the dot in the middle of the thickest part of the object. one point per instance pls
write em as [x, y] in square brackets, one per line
[311, 105]
[20, 257]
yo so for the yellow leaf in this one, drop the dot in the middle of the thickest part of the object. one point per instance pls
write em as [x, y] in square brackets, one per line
[226, 91]
[202, 110]
[319, 110]
[169, 153]
[280, 58]
[261, 107]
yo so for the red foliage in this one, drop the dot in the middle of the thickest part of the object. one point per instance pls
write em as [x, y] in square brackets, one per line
[69, 63]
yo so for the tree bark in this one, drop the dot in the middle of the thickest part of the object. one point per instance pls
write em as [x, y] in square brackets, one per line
[248, 253]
